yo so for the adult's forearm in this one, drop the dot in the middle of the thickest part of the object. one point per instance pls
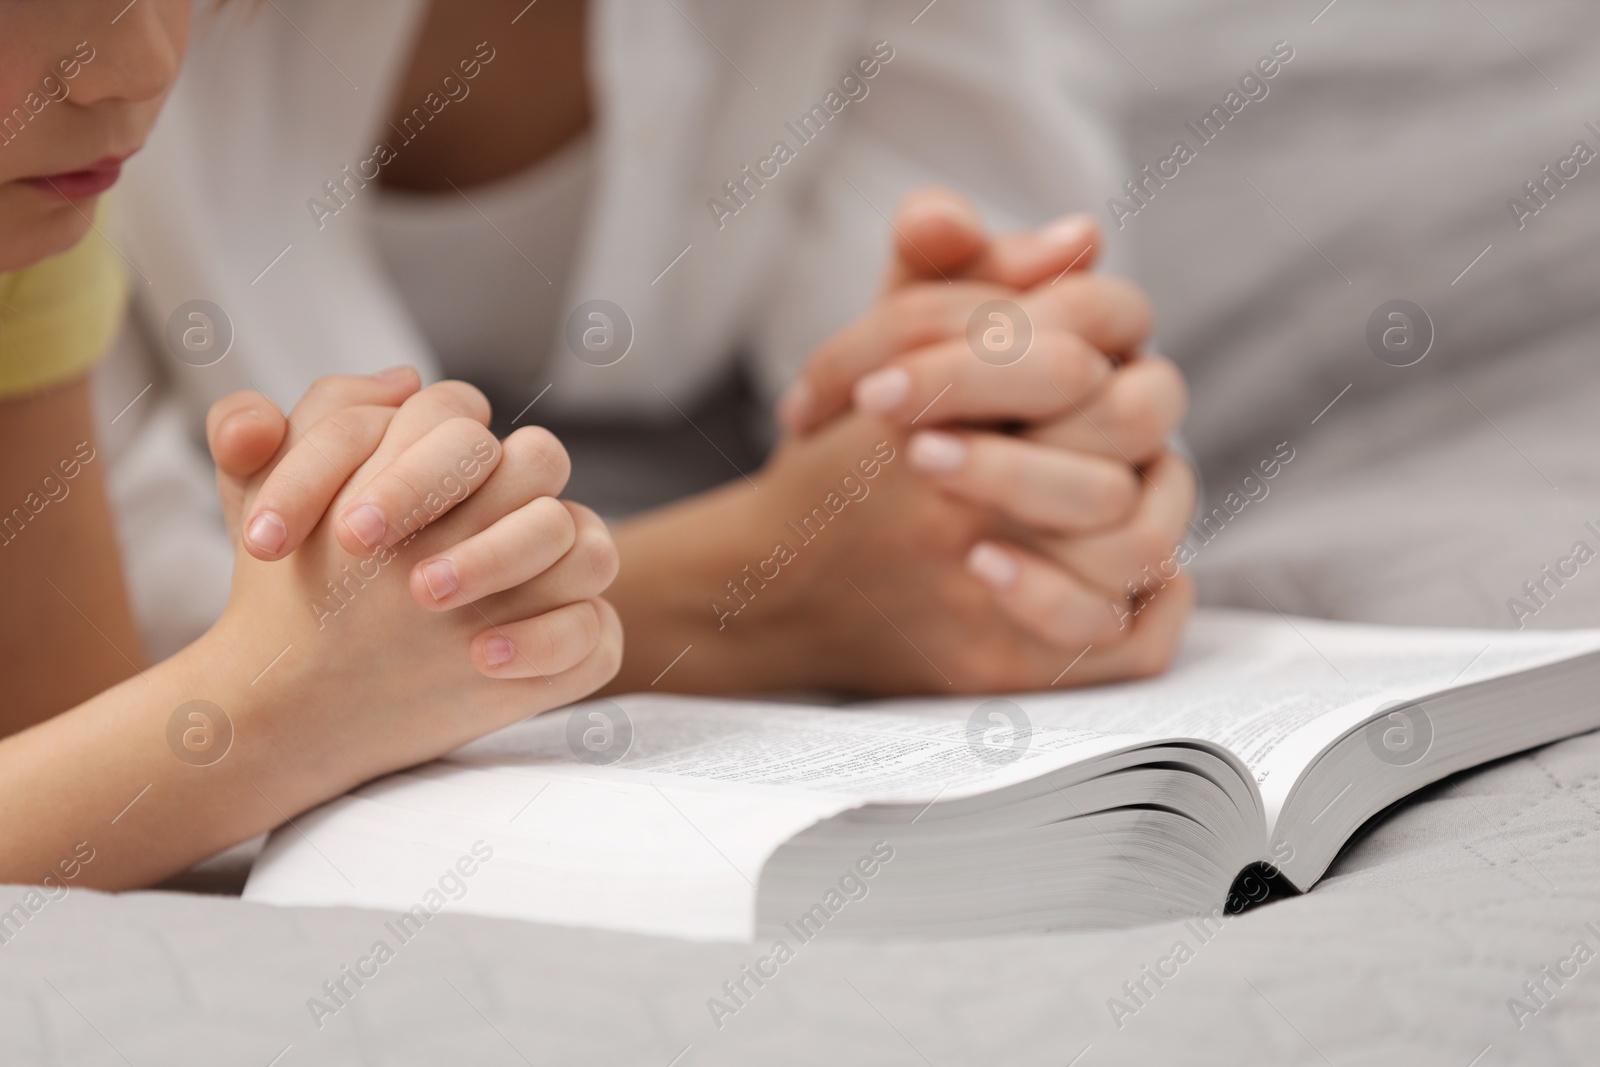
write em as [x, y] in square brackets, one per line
[677, 562]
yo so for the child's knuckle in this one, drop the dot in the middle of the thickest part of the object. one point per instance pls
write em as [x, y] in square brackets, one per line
[536, 448]
[457, 396]
[600, 559]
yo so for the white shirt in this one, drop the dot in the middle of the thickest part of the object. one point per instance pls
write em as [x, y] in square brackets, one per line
[275, 102]
[480, 270]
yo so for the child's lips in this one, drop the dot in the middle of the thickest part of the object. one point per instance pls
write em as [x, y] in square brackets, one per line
[80, 184]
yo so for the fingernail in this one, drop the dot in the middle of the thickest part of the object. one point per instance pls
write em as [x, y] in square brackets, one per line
[267, 533]
[992, 566]
[795, 407]
[941, 453]
[368, 524]
[498, 651]
[938, 208]
[242, 413]
[395, 374]
[441, 579]
[1069, 230]
[883, 391]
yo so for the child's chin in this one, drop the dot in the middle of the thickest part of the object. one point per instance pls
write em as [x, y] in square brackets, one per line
[33, 229]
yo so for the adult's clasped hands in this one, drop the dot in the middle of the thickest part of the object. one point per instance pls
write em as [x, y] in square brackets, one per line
[975, 491]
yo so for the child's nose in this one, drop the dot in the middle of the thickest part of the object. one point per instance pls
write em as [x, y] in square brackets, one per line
[135, 59]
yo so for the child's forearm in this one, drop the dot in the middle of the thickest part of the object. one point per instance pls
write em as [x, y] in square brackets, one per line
[140, 782]
[66, 631]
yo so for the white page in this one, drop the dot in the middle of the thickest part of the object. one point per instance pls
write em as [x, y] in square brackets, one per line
[855, 753]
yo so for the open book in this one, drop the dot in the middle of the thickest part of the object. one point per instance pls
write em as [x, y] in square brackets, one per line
[1272, 740]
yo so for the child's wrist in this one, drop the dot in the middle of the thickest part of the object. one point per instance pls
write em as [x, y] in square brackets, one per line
[233, 679]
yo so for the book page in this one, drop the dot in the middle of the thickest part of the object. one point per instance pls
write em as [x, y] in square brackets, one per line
[856, 753]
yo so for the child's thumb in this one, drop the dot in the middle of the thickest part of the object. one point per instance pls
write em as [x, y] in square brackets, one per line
[244, 431]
